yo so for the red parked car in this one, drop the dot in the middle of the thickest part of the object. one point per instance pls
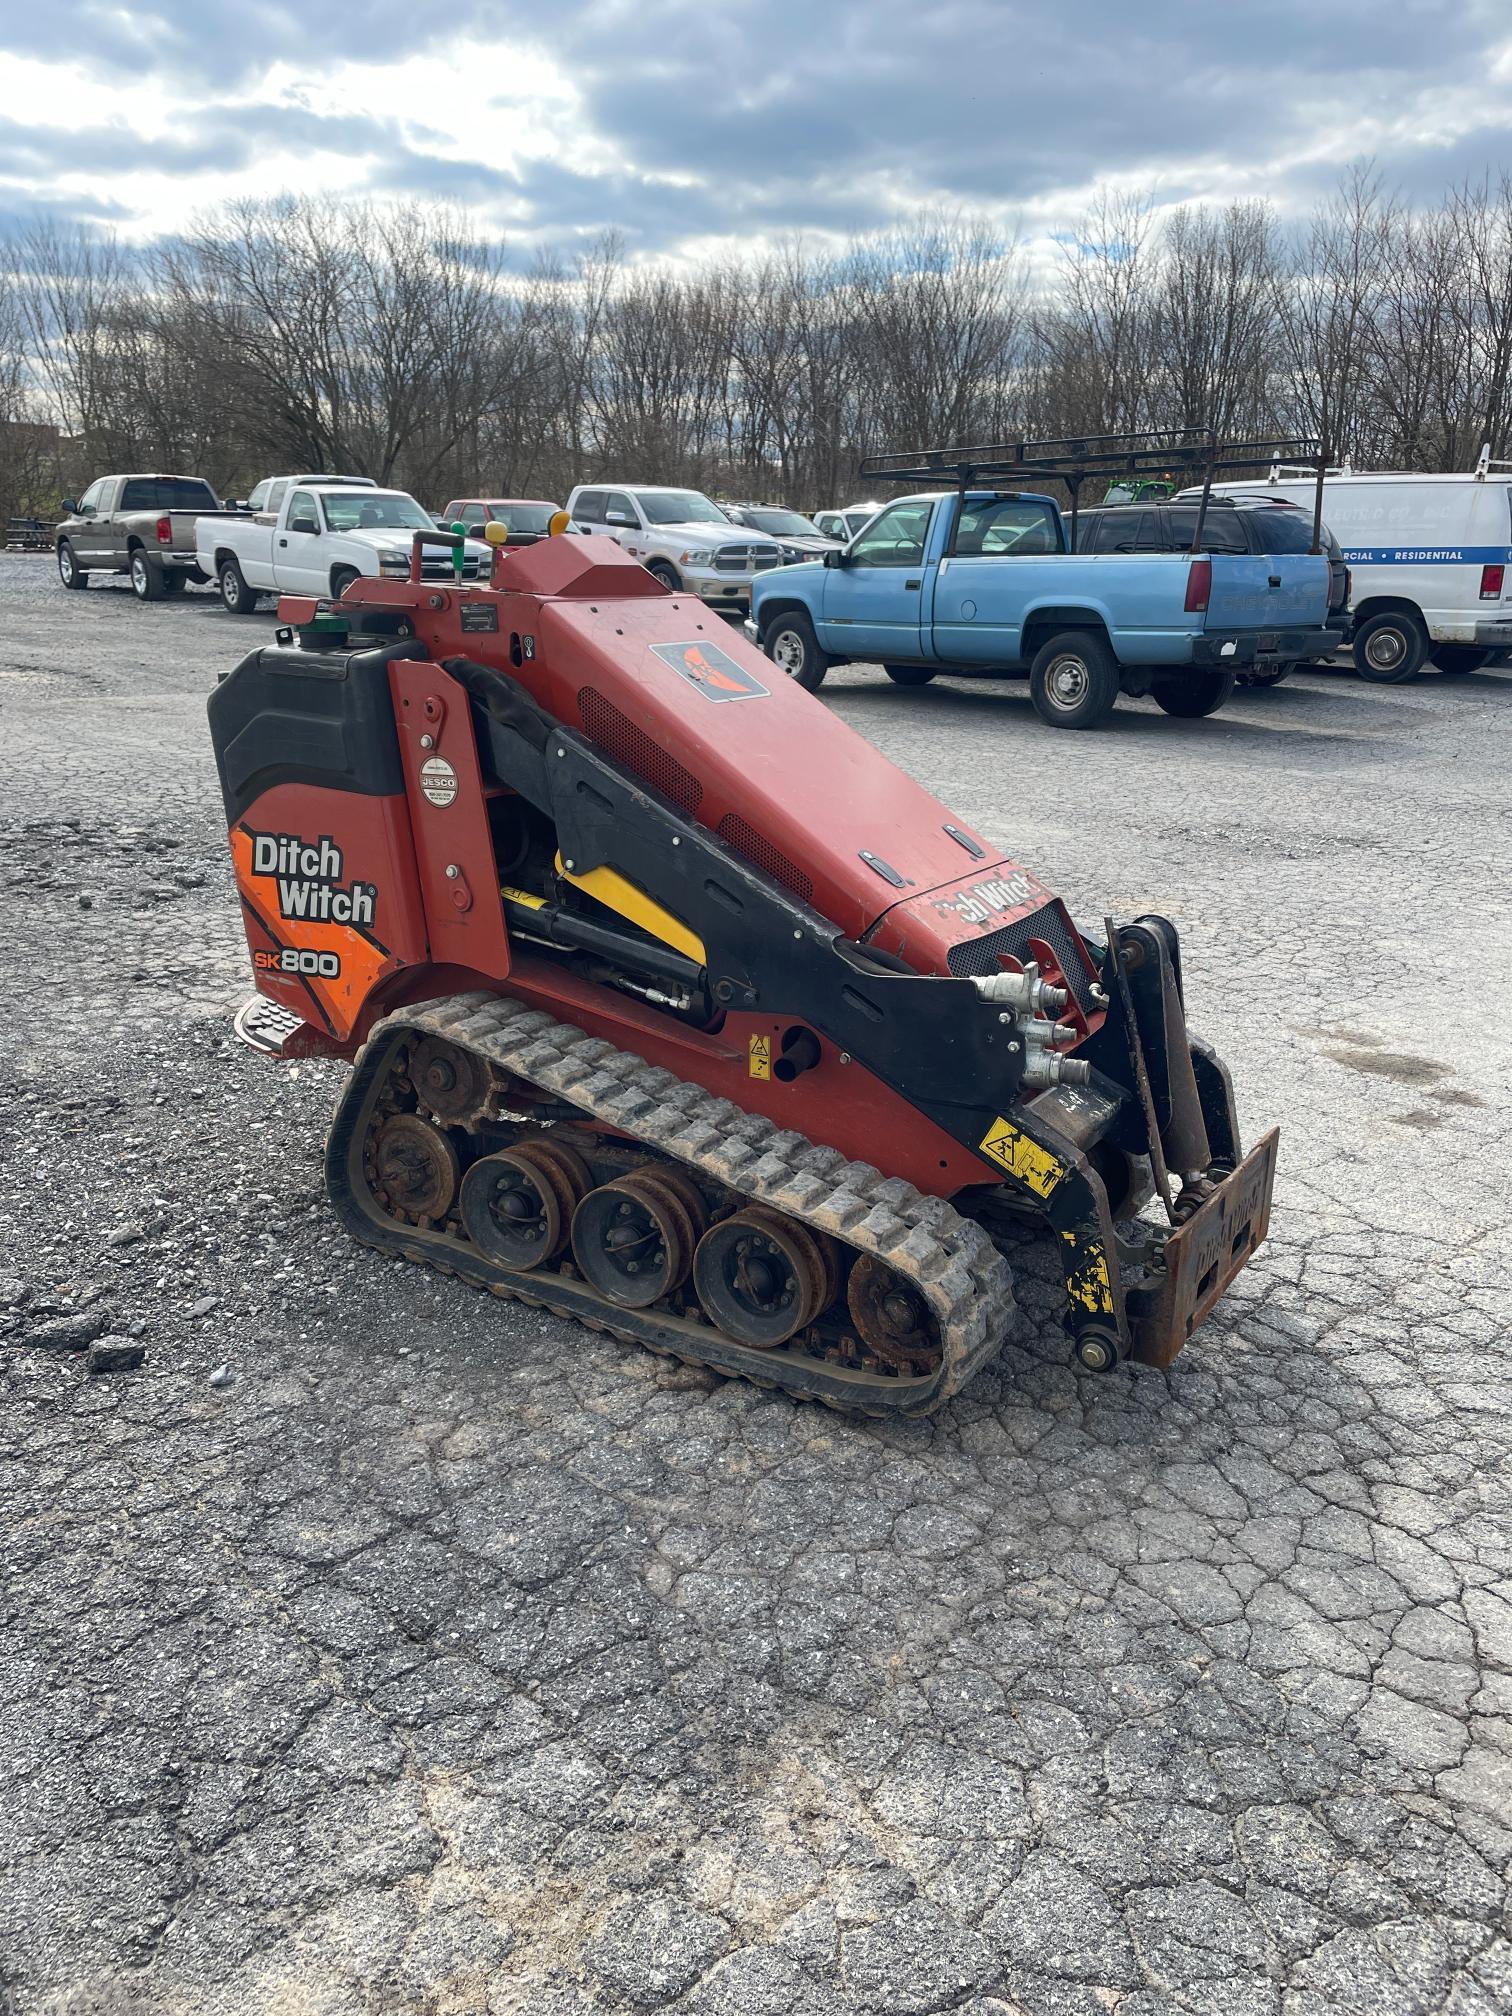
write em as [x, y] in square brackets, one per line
[526, 517]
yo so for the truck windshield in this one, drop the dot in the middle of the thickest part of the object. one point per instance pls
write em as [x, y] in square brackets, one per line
[168, 493]
[792, 524]
[523, 517]
[680, 507]
[375, 511]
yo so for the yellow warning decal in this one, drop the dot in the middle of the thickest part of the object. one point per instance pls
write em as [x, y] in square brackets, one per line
[760, 1065]
[1089, 1285]
[1021, 1157]
[521, 896]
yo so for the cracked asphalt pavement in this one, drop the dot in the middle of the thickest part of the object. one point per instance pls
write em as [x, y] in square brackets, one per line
[376, 1647]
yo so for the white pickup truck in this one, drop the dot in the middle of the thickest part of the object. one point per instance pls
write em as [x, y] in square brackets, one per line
[322, 537]
[680, 536]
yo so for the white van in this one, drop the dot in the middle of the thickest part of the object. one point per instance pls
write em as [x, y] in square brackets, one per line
[1430, 557]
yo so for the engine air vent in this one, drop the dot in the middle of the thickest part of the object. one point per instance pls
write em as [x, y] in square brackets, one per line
[617, 735]
[978, 956]
[760, 852]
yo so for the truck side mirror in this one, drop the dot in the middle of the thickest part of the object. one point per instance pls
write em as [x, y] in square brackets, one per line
[836, 557]
[69, 508]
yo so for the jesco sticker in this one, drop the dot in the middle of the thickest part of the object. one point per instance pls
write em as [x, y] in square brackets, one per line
[714, 672]
[438, 780]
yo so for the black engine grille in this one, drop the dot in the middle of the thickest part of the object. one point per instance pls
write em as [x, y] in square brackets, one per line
[976, 956]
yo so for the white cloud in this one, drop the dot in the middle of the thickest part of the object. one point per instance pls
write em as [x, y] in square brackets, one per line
[703, 130]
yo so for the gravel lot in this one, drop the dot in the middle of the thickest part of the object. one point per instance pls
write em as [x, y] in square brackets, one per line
[449, 1659]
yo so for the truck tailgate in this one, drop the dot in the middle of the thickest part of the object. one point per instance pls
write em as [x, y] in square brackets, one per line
[185, 530]
[1268, 591]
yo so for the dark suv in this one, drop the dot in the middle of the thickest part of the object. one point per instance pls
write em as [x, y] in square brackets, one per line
[1230, 526]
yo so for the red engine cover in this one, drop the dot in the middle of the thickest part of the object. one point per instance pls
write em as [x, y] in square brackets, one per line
[683, 700]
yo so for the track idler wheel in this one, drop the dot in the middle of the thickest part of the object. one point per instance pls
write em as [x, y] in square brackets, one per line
[451, 1082]
[517, 1205]
[634, 1239]
[762, 1277]
[413, 1169]
[892, 1319]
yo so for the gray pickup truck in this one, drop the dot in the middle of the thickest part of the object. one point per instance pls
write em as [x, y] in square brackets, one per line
[140, 526]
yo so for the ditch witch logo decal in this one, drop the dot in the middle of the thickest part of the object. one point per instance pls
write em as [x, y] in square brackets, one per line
[309, 876]
[713, 672]
[987, 903]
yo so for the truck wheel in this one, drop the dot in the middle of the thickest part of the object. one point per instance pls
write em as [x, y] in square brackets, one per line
[342, 579]
[1191, 695]
[1073, 681]
[910, 675]
[1390, 647]
[666, 574]
[234, 592]
[70, 573]
[1459, 659]
[791, 645]
[146, 577]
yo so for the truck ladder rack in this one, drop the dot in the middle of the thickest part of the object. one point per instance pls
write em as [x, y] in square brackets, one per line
[1197, 452]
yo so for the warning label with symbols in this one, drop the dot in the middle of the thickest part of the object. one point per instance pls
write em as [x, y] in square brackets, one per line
[761, 1057]
[1021, 1157]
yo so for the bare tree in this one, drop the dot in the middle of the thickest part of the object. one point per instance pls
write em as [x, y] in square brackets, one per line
[400, 343]
[1480, 220]
[1094, 340]
[1328, 298]
[1211, 336]
[70, 283]
[940, 306]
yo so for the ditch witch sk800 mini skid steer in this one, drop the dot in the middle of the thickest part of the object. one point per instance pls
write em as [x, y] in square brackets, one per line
[673, 1006]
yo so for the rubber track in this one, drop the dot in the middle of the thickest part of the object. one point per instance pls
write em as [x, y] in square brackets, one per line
[950, 1259]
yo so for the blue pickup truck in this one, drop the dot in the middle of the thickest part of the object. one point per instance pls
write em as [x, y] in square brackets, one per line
[983, 582]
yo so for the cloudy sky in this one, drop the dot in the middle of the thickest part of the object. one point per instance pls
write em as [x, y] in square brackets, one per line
[692, 125]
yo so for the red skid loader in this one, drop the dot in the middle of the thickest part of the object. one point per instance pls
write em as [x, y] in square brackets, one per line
[674, 1007]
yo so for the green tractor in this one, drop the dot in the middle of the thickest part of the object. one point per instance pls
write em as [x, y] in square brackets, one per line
[1140, 490]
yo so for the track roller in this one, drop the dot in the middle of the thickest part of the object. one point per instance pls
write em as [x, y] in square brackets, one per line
[517, 1205]
[762, 1276]
[892, 1319]
[414, 1169]
[634, 1238]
